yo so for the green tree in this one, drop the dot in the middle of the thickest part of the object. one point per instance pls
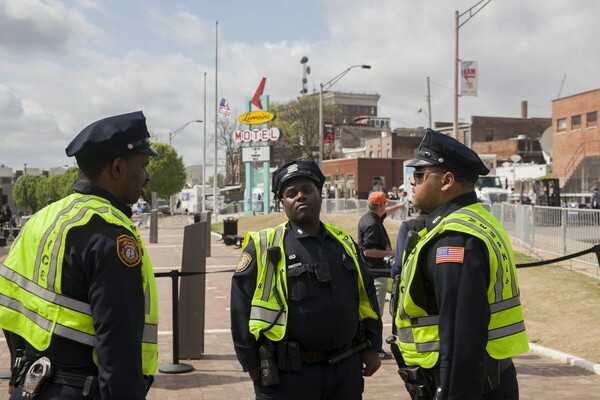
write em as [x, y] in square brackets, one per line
[167, 172]
[25, 192]
[57, 186]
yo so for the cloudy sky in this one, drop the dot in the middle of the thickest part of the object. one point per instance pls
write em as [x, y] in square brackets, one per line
[67, 63]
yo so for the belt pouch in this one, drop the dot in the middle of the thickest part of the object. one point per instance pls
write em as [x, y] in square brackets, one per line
[294, 356]
[282, 349]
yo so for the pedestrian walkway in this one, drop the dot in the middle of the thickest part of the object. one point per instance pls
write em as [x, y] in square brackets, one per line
[217, 374]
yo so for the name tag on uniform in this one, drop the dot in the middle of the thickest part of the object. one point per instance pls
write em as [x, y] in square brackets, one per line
[449, 255]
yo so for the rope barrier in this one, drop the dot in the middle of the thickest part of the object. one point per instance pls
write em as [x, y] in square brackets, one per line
[595, 248]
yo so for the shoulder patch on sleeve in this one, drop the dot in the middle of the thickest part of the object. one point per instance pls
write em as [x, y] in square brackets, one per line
[128, 251]
[449, 254]
[244, 262]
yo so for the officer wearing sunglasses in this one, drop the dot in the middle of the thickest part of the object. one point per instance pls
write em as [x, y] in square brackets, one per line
[458, 318]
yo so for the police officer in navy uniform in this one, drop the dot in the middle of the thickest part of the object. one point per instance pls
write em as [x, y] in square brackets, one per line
[459, 318]
[92, 322]
[301, 294]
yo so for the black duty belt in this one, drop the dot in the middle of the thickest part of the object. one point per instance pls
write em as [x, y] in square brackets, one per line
[70, 379]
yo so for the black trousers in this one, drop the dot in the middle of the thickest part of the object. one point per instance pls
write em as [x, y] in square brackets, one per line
[507, 390]
[317, 381]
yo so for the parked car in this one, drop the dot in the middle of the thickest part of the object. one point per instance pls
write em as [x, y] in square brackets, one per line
[163, 206]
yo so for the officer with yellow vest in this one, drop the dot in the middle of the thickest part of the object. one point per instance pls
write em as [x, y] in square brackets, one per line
[459, 318]
[304, 314]
[77, 292]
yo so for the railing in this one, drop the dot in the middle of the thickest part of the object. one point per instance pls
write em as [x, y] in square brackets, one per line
[591, 147]
[547, 231]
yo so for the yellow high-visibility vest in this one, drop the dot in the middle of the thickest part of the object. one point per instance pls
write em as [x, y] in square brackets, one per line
[268, 314]
[418, 331]
[31, 301]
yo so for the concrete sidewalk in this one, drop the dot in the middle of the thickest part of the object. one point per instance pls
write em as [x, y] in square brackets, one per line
[217, 374]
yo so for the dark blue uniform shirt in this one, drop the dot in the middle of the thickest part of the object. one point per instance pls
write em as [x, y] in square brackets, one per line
[93, 272]
[322, 316]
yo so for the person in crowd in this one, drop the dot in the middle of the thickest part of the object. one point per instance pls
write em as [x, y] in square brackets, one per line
[459, 318]
[404, 211]
[82, 323]
[414, 225]
[394, 194]
[375, 246]
[595, 199]
[5, 216]
[304, 316]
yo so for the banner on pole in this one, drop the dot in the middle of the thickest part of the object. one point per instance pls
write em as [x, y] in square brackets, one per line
[469, 73]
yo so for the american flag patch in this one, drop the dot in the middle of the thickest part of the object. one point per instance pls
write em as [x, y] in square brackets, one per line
[449, 255]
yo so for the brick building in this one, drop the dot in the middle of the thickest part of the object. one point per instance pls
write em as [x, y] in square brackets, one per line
[576, 141]
[356, 177]
[493, 129]
[529, 149]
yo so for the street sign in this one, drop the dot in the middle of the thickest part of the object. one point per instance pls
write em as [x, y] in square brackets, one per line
[259, 153]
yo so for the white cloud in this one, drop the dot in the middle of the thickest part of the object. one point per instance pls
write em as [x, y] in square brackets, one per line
[67, 64]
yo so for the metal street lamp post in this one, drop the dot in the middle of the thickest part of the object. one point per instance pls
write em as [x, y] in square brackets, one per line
[171, 136]
[326, 86]
[178, 130]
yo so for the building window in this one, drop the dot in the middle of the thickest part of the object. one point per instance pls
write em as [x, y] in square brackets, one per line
[576, 122]
[378, 183]
[488, 135]
[561, 125]
[592, 119]
[350, 185]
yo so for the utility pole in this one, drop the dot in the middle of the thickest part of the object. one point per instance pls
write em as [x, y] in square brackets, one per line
[457, 25]
[429, 104]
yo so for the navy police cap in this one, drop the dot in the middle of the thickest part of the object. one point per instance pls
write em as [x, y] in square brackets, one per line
[443, 151]
[297, 169]
[109, 138]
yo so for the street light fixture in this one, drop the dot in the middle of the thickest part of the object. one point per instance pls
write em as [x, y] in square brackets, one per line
[471, 11]
[178, 130]
[326, 86]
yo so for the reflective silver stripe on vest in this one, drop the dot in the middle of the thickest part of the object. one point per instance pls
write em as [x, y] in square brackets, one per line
[499, 269]
[43, 293]
[506, 330]
[60, 238]
[150, 334]
[75, 335]
[270, 272]
[266, 315]
[17, 306]
[264, 245]
[406, 336]
[430, 346]
[425, 321]
[404, 290]
[501, 238]
[42, 243]
[505, 304]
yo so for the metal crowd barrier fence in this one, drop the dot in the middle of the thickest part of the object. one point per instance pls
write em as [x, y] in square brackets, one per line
[550, 231]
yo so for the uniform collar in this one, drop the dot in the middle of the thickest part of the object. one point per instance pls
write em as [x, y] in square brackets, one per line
[448, 208]
[300, 233]
[88, 188]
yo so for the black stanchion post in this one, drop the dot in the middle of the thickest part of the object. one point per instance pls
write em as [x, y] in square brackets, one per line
[175, 367]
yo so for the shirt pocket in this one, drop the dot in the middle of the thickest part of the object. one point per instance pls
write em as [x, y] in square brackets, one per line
[301, 282]
[350, 274]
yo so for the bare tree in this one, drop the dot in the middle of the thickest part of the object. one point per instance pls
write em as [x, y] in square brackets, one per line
[233, 150]
[298, 121]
